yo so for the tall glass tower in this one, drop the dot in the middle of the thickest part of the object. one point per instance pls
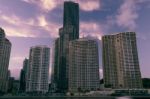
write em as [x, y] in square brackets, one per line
[69, 32]
[71, 16]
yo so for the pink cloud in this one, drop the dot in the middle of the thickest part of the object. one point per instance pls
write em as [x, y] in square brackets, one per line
[92, 29]
[127, 14]
[89, 5]
[15, 73]
[48, 5]
[45, 5]
[18, 27]
[101, 73]
[15, 70]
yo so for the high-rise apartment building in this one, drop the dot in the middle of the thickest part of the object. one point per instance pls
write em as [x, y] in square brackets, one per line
[69, 32]
[120, 61]
[38, 69]
[83, 65]
[5, 49]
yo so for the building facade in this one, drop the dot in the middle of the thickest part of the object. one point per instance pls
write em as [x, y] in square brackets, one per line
[5, 49]
[120, 61]
[83, 65]
[38, 70]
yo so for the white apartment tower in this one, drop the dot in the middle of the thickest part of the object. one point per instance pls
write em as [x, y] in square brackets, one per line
[83, 65]
[120, 61]
[38, 69]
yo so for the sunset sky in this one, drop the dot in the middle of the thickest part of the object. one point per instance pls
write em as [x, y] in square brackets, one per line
[36, 22]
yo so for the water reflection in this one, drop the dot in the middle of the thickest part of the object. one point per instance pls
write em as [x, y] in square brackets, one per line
[57, 98]
[102, 97]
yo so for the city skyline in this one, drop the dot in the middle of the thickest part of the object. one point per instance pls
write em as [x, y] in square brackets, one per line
[40, 25]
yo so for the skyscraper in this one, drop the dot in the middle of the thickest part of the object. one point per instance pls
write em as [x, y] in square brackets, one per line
[5, 49]
[23, 77]
[38, 70]
[69, 32]
[120, 61]
[22, 80]
[10, 84]
[83, 65]
[55, 67]
[2, 37]
[71, 16]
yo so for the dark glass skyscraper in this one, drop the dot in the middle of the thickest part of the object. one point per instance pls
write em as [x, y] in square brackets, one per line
[69, 32]
[23, 74]
[71, 16]
[55, 67]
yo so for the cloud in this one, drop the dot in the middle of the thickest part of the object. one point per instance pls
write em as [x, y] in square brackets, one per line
[14, 32]
[46, 5]
[127, 14]
[16, 20]
[50, 27]
[101, 73]
[0, 11]
[92, 29]
[42, 20]
[10, 19]
[16, 60]
[16, 64]
[49, 5]
[14, 26]
[89, 5]
[15, 72]
[33, 27]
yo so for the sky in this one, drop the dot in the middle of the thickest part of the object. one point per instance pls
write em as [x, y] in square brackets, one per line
[36, 22]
